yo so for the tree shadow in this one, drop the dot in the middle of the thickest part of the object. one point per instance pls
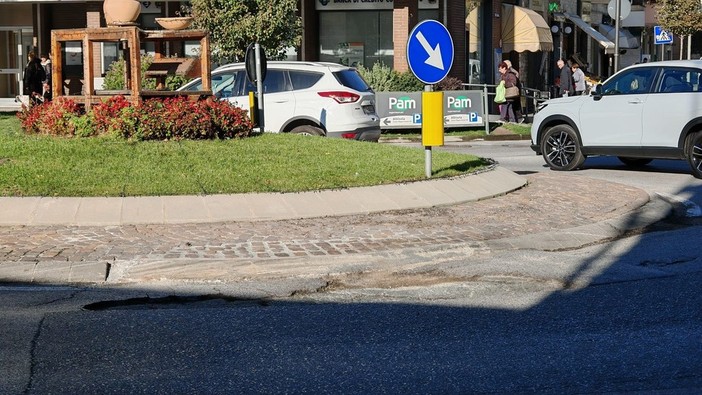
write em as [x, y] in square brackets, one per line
[628, 317]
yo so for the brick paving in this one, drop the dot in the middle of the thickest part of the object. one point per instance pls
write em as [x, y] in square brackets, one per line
[549, 201]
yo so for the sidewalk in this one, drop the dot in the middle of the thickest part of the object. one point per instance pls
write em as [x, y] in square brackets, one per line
[309, 236]
[97, 211]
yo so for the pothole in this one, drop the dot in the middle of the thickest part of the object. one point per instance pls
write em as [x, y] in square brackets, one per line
[175, 302]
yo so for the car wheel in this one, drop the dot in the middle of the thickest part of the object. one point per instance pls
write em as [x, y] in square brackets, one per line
[634, 162]
[694, 153]
[561, 148]
[308, 130]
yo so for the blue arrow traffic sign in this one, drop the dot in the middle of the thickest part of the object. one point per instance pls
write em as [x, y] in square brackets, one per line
[430, 51]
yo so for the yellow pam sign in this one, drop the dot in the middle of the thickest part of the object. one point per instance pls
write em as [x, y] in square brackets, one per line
[432, 119]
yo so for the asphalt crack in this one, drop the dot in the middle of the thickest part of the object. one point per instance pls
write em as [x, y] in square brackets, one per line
[33, 357]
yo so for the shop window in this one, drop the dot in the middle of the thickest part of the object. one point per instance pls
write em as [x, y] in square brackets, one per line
[355, 38]
[474, 23]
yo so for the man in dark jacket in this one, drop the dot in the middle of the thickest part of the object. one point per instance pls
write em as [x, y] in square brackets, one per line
[34, 76]
[566, 80]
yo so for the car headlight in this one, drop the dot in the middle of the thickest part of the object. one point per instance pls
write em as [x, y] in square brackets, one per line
[541, 106]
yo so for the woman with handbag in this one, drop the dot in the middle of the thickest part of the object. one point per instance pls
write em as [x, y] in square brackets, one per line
[511, 93]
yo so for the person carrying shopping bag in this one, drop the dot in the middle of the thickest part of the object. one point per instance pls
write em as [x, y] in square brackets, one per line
[509, 82]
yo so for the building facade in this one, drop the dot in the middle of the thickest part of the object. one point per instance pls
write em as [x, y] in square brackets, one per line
[530, 33]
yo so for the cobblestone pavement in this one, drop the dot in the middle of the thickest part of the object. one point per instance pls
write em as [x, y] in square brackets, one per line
[549, 201]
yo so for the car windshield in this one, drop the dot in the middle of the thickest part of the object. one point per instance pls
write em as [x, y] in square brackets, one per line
[350, 78]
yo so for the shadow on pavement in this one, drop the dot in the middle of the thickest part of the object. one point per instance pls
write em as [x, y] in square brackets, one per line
[635, 325]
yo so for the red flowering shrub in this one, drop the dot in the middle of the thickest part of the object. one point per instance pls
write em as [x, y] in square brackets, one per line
[187, 119]
[153, 119]
[229, 120]
[29, 118]
[55, 117]
[106, 116]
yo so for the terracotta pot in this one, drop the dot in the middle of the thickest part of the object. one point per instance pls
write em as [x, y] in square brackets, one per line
[175, 23]
[121, 12]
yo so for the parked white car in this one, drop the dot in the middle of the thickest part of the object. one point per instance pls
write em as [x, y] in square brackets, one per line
[644, 112]
[313, 98]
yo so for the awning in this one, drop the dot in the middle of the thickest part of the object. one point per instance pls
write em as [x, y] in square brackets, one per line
[626, 39]
[524, 30]
[590, 31]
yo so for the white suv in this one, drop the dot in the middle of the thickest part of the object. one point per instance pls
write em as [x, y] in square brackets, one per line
[313, 98]
[644, 112]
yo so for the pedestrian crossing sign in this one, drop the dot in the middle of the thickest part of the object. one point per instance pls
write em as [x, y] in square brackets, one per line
[662, 36]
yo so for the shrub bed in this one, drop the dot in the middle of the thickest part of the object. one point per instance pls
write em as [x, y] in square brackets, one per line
[153, 119]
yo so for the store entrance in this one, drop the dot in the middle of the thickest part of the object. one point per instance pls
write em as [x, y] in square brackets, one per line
[15, 43]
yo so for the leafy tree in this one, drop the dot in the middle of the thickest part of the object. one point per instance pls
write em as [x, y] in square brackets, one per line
[682, 17]
[233, 25]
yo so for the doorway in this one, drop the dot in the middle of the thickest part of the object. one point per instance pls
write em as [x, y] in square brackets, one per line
[15, 44]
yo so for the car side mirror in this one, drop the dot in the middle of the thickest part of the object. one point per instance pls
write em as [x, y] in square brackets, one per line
[597, 92]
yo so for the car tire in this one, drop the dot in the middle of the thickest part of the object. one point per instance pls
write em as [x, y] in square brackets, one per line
[694, 153]
[307, 130]
[634, 162]
[561, 149]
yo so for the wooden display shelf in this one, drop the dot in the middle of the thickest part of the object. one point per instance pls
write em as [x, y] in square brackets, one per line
[130, 39]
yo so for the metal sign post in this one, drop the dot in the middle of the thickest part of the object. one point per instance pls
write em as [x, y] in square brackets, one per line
[256, 68]
[662, 37]
[259, 87]
[430, 57]
[618, 9]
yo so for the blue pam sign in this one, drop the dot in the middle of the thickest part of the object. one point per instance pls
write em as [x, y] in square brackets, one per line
[430, 51]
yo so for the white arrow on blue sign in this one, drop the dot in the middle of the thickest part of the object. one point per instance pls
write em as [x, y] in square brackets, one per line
[430, 51]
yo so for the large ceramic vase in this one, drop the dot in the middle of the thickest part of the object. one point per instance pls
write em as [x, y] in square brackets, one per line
[121, 12]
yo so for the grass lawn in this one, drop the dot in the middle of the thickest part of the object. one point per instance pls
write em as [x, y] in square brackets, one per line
[33, 165]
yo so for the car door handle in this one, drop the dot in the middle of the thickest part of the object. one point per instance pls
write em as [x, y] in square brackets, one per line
[635, 101]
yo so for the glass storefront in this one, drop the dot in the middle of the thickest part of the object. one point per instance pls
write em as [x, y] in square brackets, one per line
[474, 25]
[15, 44]
[360, 36]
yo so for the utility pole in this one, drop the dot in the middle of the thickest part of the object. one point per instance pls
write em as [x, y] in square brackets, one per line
[617, 13]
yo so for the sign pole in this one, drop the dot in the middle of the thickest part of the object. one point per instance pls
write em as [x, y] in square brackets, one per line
[259, 86]
[430, 57]
[427, 148]
[616, 34]
[486, 112]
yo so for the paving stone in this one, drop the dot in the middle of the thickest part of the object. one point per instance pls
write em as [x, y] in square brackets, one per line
[547, 203]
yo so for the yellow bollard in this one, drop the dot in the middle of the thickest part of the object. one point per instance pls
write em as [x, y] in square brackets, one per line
[253, 108]
[432, 119]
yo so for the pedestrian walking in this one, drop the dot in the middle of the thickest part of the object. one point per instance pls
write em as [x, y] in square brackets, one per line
[34, 76]
[509, 81]
[517, 104]
[565, 84]
[578, 79]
